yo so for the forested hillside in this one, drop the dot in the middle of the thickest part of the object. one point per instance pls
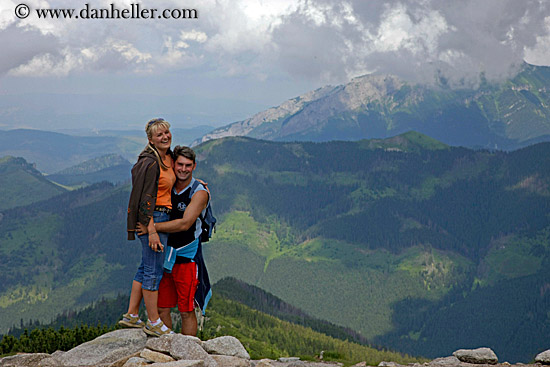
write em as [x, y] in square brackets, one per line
[355, 233]
[22, 184]
[399, 239]
[63, 253]
[263, 335]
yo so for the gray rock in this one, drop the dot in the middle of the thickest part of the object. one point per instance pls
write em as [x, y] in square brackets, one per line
[191, 338]
[443, 362]
[230, 361]
[153, 356]
[543, 357]
[164, 342]
[24, 360]
[288, 359]
[264, 363]
[120, 362]
[105, 349]
[226, 345]
[184, 348]
[136, 362]
[161, 344]
[387, 364]
[47, 362]
[181, 363]
[476, 356]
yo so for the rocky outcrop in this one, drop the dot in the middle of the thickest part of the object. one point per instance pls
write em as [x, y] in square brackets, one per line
[543, 357]
[476, 356]
[133, 348]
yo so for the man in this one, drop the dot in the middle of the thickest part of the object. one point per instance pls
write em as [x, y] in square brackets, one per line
[184, 265]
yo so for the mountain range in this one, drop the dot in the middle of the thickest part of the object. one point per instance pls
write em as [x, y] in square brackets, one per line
[505, 115]
[111, 167]
[415, 244]
[52, 152]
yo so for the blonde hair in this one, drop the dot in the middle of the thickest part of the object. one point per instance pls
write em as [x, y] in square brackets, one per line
[150, 128]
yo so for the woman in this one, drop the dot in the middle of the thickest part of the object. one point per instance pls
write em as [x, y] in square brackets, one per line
[152, 181]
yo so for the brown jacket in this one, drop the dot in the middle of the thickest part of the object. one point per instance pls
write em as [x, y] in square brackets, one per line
[145, 180]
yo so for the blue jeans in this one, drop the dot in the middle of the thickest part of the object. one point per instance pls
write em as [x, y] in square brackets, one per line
[151, 268]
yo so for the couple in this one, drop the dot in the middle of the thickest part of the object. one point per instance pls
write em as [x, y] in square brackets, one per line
[166, 200]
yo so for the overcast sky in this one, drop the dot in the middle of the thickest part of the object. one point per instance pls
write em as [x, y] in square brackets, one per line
[239, 57]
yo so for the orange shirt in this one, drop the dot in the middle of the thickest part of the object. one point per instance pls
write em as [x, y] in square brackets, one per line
[166, 181]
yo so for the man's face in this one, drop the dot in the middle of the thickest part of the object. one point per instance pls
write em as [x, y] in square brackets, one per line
[184, 168]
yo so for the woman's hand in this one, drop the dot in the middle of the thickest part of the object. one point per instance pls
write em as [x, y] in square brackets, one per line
[205, 184]
[141, 229]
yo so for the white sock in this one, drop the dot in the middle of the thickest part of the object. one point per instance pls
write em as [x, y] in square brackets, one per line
[134, 315]
[155, 323]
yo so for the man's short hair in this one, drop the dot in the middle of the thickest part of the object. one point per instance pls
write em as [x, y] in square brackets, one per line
[185, 152]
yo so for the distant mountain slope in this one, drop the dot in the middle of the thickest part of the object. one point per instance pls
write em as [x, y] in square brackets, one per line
[111, 167]
[53, 152]
[21, 184]
[509, 115]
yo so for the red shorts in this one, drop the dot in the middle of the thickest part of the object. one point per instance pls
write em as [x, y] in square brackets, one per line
[179, 287]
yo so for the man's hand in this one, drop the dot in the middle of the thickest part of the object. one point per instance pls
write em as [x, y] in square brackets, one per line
[154, 242]
[154, 239]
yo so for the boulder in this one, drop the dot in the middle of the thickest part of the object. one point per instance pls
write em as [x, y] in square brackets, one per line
[288, 359]
[181, 363]
[230, 361]
[136, 362]
[105, 349]
[122, 361]
[476, 356]
[444, 362]
[226, 345]
[185, 348]
[264, 363]
[24, 360]
[543, 357]
[153, 356]
[161, 344]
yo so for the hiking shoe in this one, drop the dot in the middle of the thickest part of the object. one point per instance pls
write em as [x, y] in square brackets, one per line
[156, 330]
[131, 321]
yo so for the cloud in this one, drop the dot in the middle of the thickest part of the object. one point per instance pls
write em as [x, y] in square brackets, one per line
[419, 40]
[319, 40]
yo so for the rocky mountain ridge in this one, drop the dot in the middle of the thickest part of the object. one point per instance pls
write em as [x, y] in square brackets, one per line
[507, 115]
[132, 348]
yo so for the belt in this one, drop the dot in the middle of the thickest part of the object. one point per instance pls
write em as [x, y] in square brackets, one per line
[163, 209]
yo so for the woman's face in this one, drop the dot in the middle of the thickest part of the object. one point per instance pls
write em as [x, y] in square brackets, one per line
[161, 138]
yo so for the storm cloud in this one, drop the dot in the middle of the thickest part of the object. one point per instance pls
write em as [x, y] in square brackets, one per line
[319, 40]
